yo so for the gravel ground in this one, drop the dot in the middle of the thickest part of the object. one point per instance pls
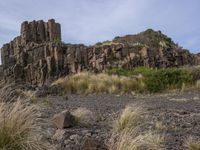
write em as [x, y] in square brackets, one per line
[175, 116]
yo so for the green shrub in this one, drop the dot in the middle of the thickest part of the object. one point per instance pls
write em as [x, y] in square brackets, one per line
[158, 80]
[164, 79]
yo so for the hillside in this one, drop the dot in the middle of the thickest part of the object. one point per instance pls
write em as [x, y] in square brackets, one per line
[149, 38]
[38, 53]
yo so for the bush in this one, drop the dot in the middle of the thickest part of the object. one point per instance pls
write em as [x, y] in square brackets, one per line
[164, 79]
[129, 72]
[158, 80]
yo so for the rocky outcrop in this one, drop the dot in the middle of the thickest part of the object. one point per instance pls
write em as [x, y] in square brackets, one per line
[38, 54]
[1, 72]
[29, 57]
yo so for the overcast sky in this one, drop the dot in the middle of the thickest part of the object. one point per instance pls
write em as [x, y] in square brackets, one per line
[90, 21]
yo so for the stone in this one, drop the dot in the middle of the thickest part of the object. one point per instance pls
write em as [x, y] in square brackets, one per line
[64, 120]
[38, 55]
[91, 144]
[18, 72]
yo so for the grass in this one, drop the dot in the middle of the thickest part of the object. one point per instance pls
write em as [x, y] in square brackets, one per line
[20, 128]
[130, 118]
[139, 80]
[148, 141]
[127, 133]
[198, 84]
[44, 101]
[192, 144]
[97, 83]
[83, 116]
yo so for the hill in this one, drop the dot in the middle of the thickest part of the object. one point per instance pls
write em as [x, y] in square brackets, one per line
[38, 53]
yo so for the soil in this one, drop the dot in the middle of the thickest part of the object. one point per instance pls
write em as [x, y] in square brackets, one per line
[176, 116]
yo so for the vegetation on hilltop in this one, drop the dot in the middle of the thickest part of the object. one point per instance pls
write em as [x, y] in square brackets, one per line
[141, 79]
[150, 38]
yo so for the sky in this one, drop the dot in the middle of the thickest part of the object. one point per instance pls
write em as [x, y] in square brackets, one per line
[91, 21]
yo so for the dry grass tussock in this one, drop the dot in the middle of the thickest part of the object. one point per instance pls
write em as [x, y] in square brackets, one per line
[127, 133]
[130, 118]
[21, 128]
[98, 83]
[192, 144]
[129, 141]
[198, 84]
[83, 116]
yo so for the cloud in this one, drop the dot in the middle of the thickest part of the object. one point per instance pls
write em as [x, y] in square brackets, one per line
[90, 21]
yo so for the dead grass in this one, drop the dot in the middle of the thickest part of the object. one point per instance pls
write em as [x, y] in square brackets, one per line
[159, 125]
[130, 118]
[83, 116]
[192, 144]
[97, 83]
[20, 128]
[127, 133]
[129, 141]
[198, 84]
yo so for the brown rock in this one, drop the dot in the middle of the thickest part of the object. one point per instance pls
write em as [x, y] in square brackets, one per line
[38, 55]
[64, 120]
[93, 144]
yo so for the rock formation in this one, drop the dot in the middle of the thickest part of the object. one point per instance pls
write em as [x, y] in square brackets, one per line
[38, 54]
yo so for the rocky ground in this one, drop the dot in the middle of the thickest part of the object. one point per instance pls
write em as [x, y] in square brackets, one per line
[176, 116]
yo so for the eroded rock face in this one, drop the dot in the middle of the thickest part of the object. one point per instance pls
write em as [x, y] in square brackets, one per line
[38, 54]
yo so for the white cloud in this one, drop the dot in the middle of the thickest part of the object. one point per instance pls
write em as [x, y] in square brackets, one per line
[90, 21]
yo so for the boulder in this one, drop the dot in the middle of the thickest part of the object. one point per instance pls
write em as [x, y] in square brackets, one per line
[64, 120]
[92, 144]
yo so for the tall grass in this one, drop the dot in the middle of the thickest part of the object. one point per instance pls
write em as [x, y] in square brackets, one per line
[97, 83]
[192, 144]
[130, 118]
[20, 128]
[127, 133]
[141, 79]
[129, 141]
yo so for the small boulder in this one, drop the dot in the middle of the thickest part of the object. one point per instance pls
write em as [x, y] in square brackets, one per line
[64, 120]
[93, 144]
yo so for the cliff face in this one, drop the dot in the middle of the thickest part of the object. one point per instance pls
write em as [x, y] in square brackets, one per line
[38, 54]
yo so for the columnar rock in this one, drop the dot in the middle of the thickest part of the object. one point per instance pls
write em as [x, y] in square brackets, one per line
[39, 31]
[38, 53]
